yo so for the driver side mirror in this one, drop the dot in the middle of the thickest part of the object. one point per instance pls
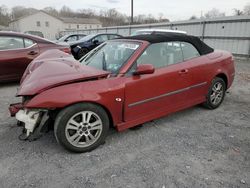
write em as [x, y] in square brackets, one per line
[144, 69]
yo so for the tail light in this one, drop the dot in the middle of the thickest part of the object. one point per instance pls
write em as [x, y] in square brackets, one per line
[66, 50]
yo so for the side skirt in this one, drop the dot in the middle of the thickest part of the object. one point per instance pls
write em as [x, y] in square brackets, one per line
[163, 112]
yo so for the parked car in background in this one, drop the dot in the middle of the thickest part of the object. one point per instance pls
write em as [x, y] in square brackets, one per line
[84, 45]
[17, 50]
[156, 31]
[36, 33]
[71, 38]
[122, 83]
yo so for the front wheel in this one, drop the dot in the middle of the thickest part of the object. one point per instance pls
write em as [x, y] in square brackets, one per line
[81, 127]
[216, 93]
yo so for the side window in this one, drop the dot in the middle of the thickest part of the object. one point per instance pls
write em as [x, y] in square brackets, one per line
[72, 38]
[154, 55]
[8, 43]
[189, 51]
[174, 53]
[81, 36]
[28, 43]
[101, 38]
[162, 54]
[113, 37]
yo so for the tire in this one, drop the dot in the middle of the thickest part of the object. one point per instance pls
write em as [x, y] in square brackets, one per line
[81, 127]
[82, 52]
[213, 93]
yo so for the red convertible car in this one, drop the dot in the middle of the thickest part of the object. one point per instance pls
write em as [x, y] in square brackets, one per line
[17, 50]
[121, 83]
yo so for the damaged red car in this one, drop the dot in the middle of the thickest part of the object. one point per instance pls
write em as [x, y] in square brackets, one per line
[121, 83]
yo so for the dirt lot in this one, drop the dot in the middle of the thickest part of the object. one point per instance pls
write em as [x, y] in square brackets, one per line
[193, 148]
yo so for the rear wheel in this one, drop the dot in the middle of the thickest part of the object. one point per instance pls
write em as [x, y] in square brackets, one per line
[81, 127]
[216, 93]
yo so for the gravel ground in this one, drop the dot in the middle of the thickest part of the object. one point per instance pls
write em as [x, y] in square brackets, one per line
[192, 148]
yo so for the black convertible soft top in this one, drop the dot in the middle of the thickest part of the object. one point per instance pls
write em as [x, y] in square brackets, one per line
[168, 37]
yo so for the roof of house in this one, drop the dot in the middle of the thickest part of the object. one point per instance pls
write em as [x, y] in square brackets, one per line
[65, 20]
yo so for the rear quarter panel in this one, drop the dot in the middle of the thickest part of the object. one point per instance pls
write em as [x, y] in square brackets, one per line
[221, 62]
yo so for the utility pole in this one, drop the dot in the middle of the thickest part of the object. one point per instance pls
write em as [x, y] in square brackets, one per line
[132, 12]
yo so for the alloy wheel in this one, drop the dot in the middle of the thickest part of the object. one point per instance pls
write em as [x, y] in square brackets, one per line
[217, 93]
[83, 129]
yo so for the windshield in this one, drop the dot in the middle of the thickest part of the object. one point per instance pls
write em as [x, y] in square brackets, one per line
[111, 55]
[63, 38]
[87, 37]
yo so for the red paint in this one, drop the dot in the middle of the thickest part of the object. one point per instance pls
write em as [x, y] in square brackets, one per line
[143, 97]
[14, 62]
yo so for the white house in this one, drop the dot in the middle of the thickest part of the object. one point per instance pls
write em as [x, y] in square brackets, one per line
[50, 25]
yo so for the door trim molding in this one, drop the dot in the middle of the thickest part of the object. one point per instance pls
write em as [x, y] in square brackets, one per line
[167, 94]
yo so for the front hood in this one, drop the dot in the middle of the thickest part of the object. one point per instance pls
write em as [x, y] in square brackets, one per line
[56, 69]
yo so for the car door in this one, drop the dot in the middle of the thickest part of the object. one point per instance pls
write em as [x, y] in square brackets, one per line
[164, 90]
[15, 55]
[198, 71]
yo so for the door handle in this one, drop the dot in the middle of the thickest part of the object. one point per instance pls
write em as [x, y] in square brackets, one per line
[183, 71]
[32, 53]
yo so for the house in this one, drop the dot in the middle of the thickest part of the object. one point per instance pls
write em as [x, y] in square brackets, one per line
[50, 25]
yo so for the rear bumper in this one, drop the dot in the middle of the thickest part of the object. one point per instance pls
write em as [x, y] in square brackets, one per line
[14, 108]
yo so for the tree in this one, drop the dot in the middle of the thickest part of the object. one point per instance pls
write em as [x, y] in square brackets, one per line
[238, 12]
[247, 9]
[193, 17]
[51, 10]
[66, 12]
[4, 15]
[214, 13]
[20, 11]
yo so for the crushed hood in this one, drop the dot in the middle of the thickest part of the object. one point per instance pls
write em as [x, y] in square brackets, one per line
[54, 68]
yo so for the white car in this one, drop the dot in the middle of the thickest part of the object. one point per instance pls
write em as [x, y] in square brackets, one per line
[156, 31]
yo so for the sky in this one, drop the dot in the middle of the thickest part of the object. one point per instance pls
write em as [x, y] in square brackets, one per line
[172, 9]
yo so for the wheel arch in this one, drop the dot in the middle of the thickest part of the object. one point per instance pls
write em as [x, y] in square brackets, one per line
[224, 77]
[57, 110]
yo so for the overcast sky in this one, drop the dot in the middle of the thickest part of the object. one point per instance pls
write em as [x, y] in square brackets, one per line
[172, 9]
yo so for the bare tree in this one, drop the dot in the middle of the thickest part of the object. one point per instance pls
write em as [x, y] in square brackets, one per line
[238, 12]
[51, 10]
[193, 17]
[4, 15]
[214, 13]
[66, 12]
[20, 11]
[247, 9]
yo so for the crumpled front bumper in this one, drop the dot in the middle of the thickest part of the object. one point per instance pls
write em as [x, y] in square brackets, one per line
[14, 108]
[31, 118]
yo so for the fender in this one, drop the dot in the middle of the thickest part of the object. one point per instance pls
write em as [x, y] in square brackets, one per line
[98, 92]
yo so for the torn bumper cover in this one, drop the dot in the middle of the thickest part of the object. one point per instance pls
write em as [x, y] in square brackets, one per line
[32, 119]
[14, 108]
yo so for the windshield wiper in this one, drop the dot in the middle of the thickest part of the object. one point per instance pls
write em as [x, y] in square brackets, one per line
[104, 63]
